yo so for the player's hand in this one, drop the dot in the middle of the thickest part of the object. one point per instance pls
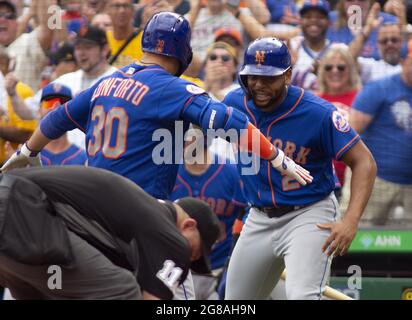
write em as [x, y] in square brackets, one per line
[287, 166]
[22, 158]
[341, 236]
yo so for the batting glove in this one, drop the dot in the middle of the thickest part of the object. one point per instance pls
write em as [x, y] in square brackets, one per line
[22, 158]
[287, 166]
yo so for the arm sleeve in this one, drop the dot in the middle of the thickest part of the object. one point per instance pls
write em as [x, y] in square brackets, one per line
[369, 100]
[337, 136]
[73, 114]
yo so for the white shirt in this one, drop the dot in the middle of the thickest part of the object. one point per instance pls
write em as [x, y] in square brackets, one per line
[372, 69]
[203, 32]
[302, 72]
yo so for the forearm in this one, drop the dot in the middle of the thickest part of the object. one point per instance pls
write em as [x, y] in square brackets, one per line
[356, 46]
[44, 14]
[37, 141]
[253, 28]
[259, 10]
[21, 109]
[192, 15]
[361, 185]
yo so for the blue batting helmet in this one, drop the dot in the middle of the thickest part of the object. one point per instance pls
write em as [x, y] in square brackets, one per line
[264, 57]
[168, 34]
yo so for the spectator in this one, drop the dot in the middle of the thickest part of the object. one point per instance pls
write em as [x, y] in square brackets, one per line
[12, 127]
[125, 39]
[340, 32]
[382, 112]
[220, 70]
[390, 45]
[59, 151]
[28, 51]
[339, 82]
[310, 47]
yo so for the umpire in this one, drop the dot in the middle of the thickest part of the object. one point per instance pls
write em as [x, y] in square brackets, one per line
[110, 239]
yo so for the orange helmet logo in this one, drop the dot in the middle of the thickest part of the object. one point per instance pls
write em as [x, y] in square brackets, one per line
[160, 46]
[260, 57]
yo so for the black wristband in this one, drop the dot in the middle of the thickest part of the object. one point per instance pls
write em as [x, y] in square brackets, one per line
[237, 14]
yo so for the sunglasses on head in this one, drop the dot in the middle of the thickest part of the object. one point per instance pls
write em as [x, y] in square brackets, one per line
[224, 57]
[339, 67]
[8, 15]
[52, 103]
[386, 40]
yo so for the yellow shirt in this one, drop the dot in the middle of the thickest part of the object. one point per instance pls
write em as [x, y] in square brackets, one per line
[130, 54]
[11, 119]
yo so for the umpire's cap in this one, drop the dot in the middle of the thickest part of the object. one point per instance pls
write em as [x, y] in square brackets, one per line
[208, 226]
[168, 34]
[264, 57]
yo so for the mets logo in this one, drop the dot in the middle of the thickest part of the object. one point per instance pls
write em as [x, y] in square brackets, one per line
[260, 57]
[340, 122]
[57, 87]
[160, 46]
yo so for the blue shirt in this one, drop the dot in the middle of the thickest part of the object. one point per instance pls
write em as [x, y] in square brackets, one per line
[311, 132]
[220, 186]
[344, 35]
[277, 9]
[389, 135]
[72, 156]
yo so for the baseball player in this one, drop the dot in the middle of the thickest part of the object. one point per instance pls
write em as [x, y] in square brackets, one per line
[121, 113]
[219, 184]
[59, 151]
[111, 239]
[290, 225]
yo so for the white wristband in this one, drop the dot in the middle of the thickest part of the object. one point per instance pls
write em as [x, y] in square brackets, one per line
[277, 162]
[24, 150]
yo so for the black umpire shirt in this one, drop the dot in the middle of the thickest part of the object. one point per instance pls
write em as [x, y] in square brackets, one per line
[143, 230]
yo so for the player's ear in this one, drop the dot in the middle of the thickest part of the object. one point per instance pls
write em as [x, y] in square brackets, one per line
[288, 77]
[189, 223]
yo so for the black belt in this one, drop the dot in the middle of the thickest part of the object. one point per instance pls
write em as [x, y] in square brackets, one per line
[276, 212]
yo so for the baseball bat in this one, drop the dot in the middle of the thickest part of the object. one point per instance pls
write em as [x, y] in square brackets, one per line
[328, 293]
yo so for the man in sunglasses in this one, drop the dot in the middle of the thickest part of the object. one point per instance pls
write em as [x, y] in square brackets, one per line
[289, 225]
[390, 42]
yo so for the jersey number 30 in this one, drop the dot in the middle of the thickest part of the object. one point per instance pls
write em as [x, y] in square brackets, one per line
[103, 132]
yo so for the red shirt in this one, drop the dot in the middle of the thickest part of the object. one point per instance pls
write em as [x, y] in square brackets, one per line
[345, 101]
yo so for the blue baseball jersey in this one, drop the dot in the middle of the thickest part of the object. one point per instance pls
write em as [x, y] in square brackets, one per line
[135, 121]
[311, 132]
[344, 35]
[72, 156]
[221, 187]
[389, 135]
